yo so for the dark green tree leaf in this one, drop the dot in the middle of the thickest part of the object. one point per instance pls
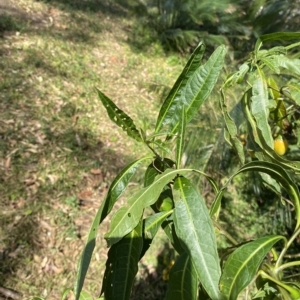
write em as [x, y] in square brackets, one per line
[276, 172]
[127, 217]
[196, 233]
[260, 109]
[194, 88]
[183, 282]
[119, 117]
[180, 139]
[242, 265]
[193, 63]
[122, 265]
[115, 190]
[232, 130]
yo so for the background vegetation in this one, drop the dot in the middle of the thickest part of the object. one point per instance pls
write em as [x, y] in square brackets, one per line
[58, 149]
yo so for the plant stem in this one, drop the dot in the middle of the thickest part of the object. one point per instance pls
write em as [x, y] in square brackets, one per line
[288, 244]
[288, 265]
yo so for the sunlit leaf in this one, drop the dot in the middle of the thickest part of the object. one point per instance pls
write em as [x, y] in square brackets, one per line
[180, 139]
[196, 234]
[116, 189]
[193, 90]
[183, 282]
[232, 130]
[122, 265]
[127, 217]
[260, 109]
[193, 63]
[277, 36]
[276, 172]
[119, 117]
[241, 266]
[152, 223]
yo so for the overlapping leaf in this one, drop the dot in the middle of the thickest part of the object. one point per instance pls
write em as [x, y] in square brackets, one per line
[122, 265]
[127, 217]
[180, 139]
[276, 172]
[232, 130]
[196, 234]
[193, 63]
[242, 265]
[260, 109]
[191, 90]
[116, 189]
[119, 117]
[183, 281]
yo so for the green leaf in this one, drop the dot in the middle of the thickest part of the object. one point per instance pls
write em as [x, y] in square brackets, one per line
[267, 153]
[276, 172]
[85, 296]
[283, 62]
[193, 63]
[232, 130]
[152, 223]
[119, 117]
[115, 190]
[180, 139]
[193, 90]
[260, 110]
[183, 282]
[196, 234]
[127, 217]
[277, 36]
[122, 265]
[242, 265]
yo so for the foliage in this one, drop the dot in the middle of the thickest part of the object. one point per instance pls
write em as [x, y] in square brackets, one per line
[270, 81]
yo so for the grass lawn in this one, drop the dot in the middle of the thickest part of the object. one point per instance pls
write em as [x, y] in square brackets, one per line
[58, 149]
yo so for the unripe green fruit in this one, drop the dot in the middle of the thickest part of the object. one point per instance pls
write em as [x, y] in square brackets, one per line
[164, 204]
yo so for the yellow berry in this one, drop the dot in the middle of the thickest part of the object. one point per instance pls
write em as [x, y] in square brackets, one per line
[280, 145]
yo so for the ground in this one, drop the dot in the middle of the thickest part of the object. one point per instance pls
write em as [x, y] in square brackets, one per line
[58, 149]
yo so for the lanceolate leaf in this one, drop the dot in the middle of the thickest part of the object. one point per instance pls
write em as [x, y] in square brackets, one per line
[277, 36]
[119, 117]
[116, 189]
[127, 217]
[122, 265]
[180, 139]
[276, 172]
[183, 281]
[242, 265]
[232, 130]
[152, 223]
[190, 67]
[193, 91]
[260, 110]
[196, 234]
[292, 65]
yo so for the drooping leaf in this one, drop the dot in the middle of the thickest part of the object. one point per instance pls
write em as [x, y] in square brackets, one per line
[260, 109]
[241, 266]
[277, 36]
[192, 64]
[119, 117]
[196, 233]
[278, 62]
[267, 153]
[183, 282]
[232, 130]
[276, 172]
[127, 217]
[192, 92]
[122, 265]
[180, 139]
[116, 189]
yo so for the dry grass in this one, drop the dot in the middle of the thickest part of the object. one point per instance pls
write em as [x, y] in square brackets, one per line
[58, 149]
